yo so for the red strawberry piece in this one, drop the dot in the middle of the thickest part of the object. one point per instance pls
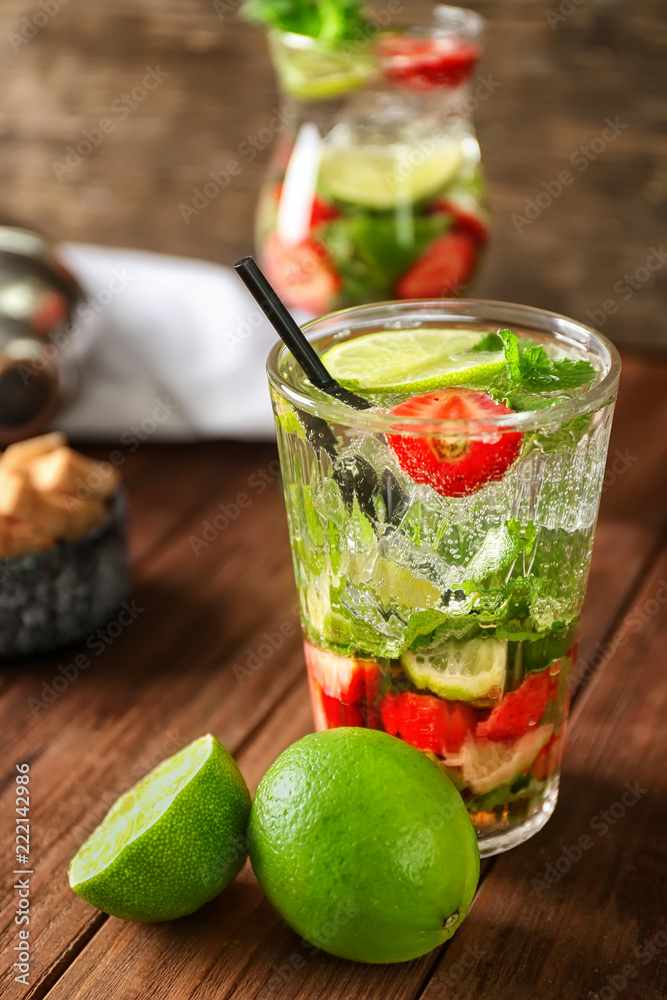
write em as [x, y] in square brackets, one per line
[301, 274]
[342, 677]
[427, 722]
[443, 269]
[425, 63]
[343, 690]
[455, 466]
[322, 212]
[519, 710]
[330, 713]
[464, 222]
[338, 714]
[389, 712]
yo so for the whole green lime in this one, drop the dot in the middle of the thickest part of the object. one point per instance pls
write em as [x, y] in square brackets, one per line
[172, 842]
[363, 845]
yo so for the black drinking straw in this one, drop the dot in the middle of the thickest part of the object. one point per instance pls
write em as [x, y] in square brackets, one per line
[290, 333]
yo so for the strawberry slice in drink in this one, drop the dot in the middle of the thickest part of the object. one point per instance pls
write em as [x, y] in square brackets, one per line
[520, 710]
[463, 221]
[343, 690]
[424, 63]
[322, 212]
[301, 273]
[428, 723]
[455, 466]
[330, 713]
[342, 677]
[443, 269]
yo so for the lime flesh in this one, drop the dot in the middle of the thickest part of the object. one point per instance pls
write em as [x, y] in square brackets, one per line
[363, 846]
[384, 177]
[485, 765]
[461, 670]
[411, 360]
[321, 73]
[172, 842]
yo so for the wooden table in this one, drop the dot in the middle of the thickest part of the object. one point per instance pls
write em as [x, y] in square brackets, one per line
[546, 922]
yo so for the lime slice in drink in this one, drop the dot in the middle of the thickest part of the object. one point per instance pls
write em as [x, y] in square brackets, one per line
[391, 583]
[384, 177]
[485, 765]
[461, 670]
[172, 842]
[412, 360]
[312, 73]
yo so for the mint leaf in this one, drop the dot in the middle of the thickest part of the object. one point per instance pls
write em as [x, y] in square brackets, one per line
[512, 354]
[530, 367]
[507, 390]
[568, 435]
[490, 343]
[572, 374]
[333, 21]
[368, 256]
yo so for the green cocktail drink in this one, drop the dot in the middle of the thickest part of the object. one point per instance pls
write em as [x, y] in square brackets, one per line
[442, 539]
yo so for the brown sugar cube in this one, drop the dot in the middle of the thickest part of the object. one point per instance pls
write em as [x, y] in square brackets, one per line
[82, 517]
[19, 454]
[16, 495]
[103, 479]
[20, 500]
[65, 471]
[19, 538]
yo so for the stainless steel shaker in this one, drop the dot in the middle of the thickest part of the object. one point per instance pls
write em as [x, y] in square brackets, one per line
[39, 301]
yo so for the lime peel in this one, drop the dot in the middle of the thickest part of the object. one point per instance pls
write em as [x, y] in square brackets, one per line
[363, 845]
[411, 360]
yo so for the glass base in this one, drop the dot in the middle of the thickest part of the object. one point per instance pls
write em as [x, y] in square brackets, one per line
[501, 840]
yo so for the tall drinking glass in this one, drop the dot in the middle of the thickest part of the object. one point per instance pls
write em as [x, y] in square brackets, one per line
[448, 617]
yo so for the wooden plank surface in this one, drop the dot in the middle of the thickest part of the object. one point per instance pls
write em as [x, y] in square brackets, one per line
[182, 669]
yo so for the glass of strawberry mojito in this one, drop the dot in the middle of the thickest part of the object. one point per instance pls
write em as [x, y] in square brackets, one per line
[442, 538]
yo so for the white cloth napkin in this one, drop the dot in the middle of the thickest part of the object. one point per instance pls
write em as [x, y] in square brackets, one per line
[178, 350]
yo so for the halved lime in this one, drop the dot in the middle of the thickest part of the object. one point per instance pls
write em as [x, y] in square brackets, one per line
[412, 360]
[172, 842]
[383, 177]
[463, 670]
[485, 765]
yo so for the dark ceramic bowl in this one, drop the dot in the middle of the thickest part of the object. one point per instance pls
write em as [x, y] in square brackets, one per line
[61, 596]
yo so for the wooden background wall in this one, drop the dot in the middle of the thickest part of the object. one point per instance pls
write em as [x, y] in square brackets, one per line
[558, 82]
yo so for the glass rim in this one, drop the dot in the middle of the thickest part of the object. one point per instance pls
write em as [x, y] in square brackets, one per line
[465, 22]
[560, 327]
